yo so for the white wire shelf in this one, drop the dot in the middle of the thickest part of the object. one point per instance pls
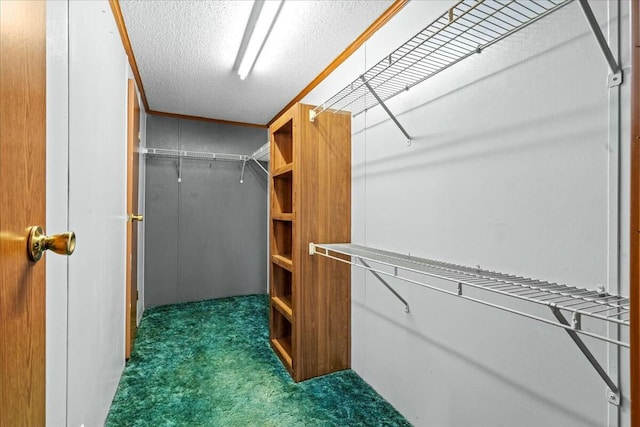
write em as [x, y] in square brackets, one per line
[261, 154]
[200, 155]
[467, 28]
[596, 304]
[184, 154]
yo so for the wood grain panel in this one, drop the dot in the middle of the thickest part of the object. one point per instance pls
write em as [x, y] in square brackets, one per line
[308, 301]
[634, 280]
[133, 160]
[324, 181]
[22, 204]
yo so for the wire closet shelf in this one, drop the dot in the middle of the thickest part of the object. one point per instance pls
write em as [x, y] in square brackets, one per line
[467, 28]
[596, 304]
[261, 154]
[162, 152]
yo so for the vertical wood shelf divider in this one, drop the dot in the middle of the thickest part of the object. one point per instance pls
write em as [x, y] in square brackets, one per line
[310, 298]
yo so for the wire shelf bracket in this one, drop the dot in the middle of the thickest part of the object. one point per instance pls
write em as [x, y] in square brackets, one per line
[613, 394]
[261, 154]
[615, 78]
[377, 276]
[386, 109]
[597, 305]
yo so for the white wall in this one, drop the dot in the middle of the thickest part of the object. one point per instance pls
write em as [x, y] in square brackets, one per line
[97, 210]
[509, 170]
[87, 74]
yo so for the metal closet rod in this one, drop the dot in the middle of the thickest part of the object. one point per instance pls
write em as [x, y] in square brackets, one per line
[200, 155]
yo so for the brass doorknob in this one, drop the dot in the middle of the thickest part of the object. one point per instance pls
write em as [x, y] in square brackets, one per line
[63, 243]
[133, 217]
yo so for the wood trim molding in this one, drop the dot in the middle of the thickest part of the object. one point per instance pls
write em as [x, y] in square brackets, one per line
[634, 274]
[124, 35]
[377, 24]
[205, 119]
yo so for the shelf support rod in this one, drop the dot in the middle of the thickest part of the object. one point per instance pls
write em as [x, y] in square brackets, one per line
[393, 291]
[616, 72]
[261, 167]
[614, 393]
[244, 163]
[381, 102]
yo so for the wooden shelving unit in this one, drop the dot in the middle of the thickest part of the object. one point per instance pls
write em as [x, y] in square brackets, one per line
[310, 317]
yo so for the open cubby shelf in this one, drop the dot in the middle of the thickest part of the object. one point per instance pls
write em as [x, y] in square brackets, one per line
[282, 153]
[282, 232]
[283, 193]
[281, 283]
[281, 291]
[281, 332]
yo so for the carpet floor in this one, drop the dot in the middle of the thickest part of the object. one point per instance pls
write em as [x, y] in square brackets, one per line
[209, 363]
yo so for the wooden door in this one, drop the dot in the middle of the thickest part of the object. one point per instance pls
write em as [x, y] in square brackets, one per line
[133, 146]
[22, 204]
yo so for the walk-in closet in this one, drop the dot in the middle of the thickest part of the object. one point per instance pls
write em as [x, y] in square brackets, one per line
[320, 213]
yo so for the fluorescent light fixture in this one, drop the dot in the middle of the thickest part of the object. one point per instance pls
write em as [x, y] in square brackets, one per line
[267, 11]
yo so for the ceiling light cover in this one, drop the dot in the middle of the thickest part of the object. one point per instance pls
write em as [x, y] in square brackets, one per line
[268, 14]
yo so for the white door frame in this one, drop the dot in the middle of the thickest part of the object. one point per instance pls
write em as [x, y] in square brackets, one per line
[57, 209]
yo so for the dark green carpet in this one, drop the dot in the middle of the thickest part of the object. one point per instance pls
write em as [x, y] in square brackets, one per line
[209, 363]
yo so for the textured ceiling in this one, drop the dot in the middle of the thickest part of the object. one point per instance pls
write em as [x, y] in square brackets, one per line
[185, 51]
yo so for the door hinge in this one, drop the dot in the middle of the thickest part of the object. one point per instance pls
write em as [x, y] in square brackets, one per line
[137, 293]
[139, 136]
